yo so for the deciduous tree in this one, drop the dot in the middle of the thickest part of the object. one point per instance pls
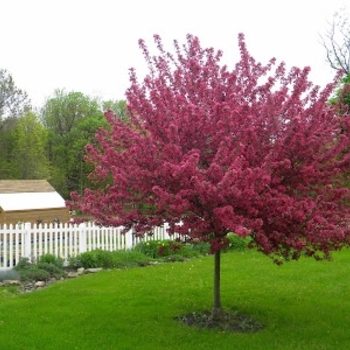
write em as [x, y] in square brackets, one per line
[29, 159]
[72, 120]
[255, 150]
[336, 41]
[13, 101]
[341, 98]
[118, 107]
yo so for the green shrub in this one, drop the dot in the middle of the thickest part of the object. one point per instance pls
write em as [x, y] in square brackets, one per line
[34, 273]
[107, 259]
[23, 264]
[48, 267]
[51, 259]
[193, 250]
[104, 258]
[74, 262]
[159, 248]
[149, 248]
[93, 259]
[130, 258]
[237, 243]
[87, 260]
[53, 270]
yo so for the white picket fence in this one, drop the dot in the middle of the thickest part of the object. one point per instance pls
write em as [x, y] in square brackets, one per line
[65, 240]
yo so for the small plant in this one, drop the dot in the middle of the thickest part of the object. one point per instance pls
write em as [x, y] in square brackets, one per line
[73, 262]
[34, 273]
[86, 260]
[159, 248]
[23, 263]
[150, 248]
[192, 250]
[128, 259]
[107, 259]
[53, 270]
[50, 259]
[48, 266]
[95, 258]
[201, 247]
[47, 258]
[236, 242]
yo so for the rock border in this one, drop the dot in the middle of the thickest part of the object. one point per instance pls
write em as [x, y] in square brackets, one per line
[32, 286]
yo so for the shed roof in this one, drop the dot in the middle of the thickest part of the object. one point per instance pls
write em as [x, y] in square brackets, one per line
[30, 201]
[16, 186]
[28, 195]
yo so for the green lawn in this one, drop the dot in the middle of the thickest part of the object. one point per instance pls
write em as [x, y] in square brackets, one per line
[304, 305]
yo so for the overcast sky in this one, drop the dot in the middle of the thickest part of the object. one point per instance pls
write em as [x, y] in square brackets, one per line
[89, 45]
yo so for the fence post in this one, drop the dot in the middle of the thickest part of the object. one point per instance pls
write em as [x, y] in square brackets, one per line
[165, 228]
[128, 239]
[82, 238]
[27, 240]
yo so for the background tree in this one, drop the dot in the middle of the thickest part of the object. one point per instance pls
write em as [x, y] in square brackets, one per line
[13, 104]
[29, 148]
[337, 44]
[336, 41]
[118, 107]
[13, 101]
[83, 133]
[7, 146]
[72, 120]
[256, 151]
[341, 98]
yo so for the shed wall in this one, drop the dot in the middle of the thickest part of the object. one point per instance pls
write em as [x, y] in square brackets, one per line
[45, 215]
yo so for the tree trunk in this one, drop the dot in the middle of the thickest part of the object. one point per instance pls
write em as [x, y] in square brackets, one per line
[217, 309]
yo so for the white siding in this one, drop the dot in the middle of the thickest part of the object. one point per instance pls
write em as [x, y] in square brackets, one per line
[31, 200]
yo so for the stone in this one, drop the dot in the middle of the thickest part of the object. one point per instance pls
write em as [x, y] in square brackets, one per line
[39, 284]
[11, 283]
[93, 270]
[32, 286]
[72, 274]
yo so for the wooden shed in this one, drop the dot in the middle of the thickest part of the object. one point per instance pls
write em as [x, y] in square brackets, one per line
[30, 201]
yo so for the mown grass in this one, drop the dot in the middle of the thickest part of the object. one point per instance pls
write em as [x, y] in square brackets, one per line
[304, 305]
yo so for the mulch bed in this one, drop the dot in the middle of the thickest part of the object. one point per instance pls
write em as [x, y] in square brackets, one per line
[228, 321]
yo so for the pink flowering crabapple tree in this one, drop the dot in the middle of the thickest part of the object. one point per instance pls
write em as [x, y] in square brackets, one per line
[255, 150]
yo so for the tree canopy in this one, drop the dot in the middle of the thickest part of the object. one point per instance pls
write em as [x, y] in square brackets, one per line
[29, 159]
[13, 101]
[49, 143]
[255, 150]
[71, 119]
